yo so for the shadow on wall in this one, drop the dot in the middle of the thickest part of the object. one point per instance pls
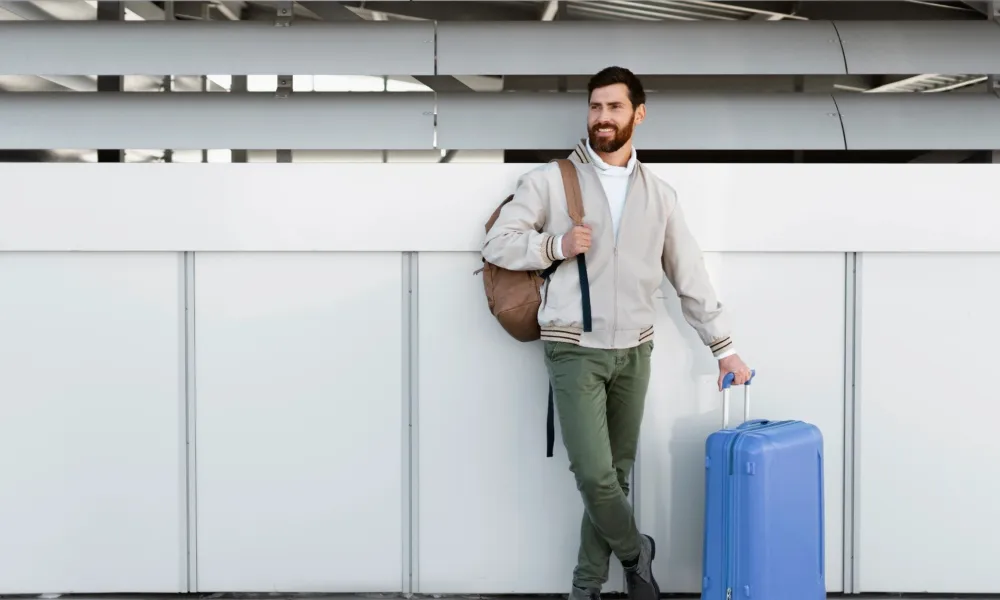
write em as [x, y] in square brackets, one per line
[683, 407]
[27, 156]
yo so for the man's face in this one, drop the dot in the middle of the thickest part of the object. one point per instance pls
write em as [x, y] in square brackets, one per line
[611, 119]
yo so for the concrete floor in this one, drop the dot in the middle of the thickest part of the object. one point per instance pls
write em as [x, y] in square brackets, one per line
[279, 596]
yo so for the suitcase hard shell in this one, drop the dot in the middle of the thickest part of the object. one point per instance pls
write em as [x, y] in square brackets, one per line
[764, 510]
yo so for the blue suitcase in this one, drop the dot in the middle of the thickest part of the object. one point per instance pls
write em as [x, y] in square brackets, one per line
[764, 519]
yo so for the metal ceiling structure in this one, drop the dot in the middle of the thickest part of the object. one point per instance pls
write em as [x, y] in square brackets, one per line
[866, 29]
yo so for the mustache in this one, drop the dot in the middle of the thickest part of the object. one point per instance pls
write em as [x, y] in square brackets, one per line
[603, 125]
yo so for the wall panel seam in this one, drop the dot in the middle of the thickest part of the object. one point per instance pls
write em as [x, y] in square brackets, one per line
[840, 41]
[190, 422]
[850, 312]
[410, 365]
[840, 118]
[855, 440]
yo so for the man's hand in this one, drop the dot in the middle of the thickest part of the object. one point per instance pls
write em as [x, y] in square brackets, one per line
[735, 365]
[576, 241]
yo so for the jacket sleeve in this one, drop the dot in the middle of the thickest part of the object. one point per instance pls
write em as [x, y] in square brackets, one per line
[516, 241]
[684, 266]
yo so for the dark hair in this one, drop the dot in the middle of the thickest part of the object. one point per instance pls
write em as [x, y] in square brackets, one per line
[613, 75]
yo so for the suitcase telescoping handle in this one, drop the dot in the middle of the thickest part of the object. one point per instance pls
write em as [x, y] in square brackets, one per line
[727, 382]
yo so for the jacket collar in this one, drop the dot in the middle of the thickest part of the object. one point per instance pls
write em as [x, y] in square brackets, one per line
[581, 155]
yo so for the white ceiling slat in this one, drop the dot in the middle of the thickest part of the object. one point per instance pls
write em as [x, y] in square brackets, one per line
[485, 121]
[920, 121]
[908, 47]
[209, 47]
[675, 120]
[378, 121]
[660, 48]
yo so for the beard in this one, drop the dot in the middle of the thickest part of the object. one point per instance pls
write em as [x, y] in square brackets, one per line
[613, 144]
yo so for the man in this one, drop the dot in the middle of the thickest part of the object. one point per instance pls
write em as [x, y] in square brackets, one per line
[634, 233]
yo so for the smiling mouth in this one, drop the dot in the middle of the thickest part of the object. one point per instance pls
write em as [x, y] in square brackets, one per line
[605, 131]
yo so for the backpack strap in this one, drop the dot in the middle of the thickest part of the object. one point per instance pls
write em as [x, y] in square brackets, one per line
[571, 184]
[550, 427]
[574, 205]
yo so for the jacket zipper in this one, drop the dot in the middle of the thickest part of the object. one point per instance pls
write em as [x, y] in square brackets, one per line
[614, 236]
[614, 321]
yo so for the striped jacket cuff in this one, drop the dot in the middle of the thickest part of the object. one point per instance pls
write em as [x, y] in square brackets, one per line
[722, 348]
[549, 249]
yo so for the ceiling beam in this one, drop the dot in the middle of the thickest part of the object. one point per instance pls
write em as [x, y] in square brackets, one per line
[882, 10]
[450, 10]
[27, 11]
[981, 6]
[329, 11]
[147, 11]
[442, 83]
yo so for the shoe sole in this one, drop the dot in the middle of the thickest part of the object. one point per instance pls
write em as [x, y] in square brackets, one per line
[652, 556]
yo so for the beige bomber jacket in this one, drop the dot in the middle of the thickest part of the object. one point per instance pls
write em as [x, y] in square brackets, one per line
[624, 274]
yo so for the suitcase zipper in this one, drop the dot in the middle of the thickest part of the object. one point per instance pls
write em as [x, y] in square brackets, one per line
[728, 518]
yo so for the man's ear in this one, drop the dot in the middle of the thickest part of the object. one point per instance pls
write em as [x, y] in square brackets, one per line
[640, 114]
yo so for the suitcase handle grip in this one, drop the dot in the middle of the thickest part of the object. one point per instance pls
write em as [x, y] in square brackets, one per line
[728, 380]
[727, 383]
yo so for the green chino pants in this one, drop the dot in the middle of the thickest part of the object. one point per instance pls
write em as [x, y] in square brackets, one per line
[600, 396]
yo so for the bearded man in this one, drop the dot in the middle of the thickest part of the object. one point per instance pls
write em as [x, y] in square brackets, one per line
[598, 360]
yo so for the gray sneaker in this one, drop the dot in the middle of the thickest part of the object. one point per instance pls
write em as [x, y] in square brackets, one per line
[639, 579]
[584, 594]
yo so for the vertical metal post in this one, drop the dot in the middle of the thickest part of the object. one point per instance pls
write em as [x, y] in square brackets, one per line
[993, 14]
[284, 13]
[285, 84]
[204, 90]
[385, 88]
[798, 86]
[110, 10]
[239, 86]
[206, 15]
[168, 79]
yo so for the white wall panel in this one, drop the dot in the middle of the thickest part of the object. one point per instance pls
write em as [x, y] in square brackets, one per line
[91, 424]
[788, 322]
[730, 207]
[929, 520]
[299, 405]
[495, 515]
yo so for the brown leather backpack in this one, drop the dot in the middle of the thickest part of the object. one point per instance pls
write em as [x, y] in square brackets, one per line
[514, 297]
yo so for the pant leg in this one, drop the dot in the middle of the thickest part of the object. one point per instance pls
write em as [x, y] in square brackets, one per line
[626, 399]
[580, 378]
